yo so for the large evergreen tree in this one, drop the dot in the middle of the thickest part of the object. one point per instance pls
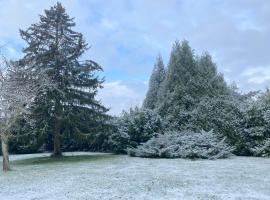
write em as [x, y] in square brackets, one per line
[156, 79]
[176, 90]
[68, 109]
[194, 95]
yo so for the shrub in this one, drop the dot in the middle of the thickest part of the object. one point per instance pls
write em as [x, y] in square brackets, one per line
[133, 128]
[191, 145]
[256, 129]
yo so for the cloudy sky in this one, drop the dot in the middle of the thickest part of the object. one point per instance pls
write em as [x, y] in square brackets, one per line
[126, 36]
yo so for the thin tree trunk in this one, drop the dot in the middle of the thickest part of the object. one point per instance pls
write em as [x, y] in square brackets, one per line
[4, 143]
[56, 141]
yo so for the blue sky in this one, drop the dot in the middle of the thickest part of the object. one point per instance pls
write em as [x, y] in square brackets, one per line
[126, 36]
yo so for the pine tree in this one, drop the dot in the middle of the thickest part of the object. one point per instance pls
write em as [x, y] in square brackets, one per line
[156, 79]
[69, 108]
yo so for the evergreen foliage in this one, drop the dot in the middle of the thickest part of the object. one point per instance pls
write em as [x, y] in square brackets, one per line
[156, 79]
[256, 127]
[191, 145]
[183, 99]
[69, 109]
[134, 127]
[194, 96]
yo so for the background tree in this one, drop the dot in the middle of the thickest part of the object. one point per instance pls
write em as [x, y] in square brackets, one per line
[68, 109]
[194, 96]
[156, 79]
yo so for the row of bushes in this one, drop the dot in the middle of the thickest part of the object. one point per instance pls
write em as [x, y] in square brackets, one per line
[143, 133]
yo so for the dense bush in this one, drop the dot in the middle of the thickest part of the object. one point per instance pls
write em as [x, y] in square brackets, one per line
[256, 128]
[221, 114]
[134, 127]
[192, 145]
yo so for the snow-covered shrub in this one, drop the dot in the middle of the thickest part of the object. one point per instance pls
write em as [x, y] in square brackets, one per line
[133, 128]
[186, 144]
[256, 128]
[262, 150]
[220, 114]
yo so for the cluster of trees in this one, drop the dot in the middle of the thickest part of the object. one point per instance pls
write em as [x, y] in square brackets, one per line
[48, 103]
[190, 96]
[64, 107]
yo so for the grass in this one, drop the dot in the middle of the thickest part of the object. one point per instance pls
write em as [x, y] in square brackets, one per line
[99, 176]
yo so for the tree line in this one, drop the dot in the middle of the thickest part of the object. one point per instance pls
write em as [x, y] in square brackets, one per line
[48, 103]
[189, 99]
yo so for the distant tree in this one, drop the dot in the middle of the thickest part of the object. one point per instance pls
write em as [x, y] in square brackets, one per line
[70, 108]
[156, 79]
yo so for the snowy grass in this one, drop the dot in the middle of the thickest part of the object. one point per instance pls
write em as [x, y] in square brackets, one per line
[101, 176]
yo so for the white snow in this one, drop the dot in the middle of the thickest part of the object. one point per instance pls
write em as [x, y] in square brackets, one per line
[123, 177]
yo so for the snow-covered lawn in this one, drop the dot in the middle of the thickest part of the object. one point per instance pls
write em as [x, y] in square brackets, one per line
[90, 176]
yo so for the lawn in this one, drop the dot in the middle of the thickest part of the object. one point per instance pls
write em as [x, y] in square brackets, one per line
[100, 176]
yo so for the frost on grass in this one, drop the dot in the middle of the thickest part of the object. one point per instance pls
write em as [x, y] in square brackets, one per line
[192, 145]
[132, 178]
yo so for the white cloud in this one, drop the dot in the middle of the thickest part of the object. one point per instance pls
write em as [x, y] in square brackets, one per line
[126, 35]
[257, 75]
[121, 95]
[109, 24]
[227, 70]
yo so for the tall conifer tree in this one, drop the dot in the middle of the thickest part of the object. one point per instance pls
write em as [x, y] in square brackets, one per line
[68, 108]
[156, 79]
[176, 90]
[191, 84]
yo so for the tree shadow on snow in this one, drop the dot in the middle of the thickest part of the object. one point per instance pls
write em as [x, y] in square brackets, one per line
[63, 159]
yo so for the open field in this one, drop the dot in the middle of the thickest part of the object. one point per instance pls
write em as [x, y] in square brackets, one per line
[105, 176]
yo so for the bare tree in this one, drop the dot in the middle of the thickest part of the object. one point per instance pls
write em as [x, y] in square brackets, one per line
[18, 88]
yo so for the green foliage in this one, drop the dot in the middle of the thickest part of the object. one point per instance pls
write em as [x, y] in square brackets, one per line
[68, 109]
[256, 128]
[194, 96]
[156, 79]
[191, 145]
[133, 128]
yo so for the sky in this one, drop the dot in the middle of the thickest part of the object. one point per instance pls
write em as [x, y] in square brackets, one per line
[126, 36]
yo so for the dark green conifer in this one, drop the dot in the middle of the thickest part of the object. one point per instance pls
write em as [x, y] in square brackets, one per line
[156, 79]
[67, 108]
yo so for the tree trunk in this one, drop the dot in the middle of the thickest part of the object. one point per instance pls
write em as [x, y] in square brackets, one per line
[56, 140]
[4, 143]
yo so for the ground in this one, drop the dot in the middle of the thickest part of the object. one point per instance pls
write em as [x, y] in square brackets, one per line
[91, 176]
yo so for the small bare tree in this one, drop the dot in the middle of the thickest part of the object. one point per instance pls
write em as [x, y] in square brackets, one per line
[18, 88]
